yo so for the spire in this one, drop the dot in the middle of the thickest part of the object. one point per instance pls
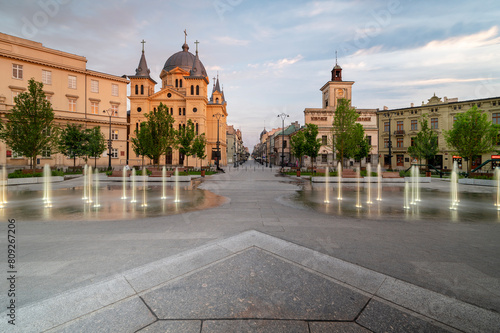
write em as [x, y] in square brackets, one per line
[223, 98]
[142, 69]
[217, 86]
[185, 47]
[337, 70]
[197, 69]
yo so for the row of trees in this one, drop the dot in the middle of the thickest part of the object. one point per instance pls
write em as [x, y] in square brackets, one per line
[30, 129]
[157, 137]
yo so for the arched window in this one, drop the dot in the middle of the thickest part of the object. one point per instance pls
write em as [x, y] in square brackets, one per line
[197, 90]
[136, 89]
[154, 110]
[196, 128]
[192, 90]
[180, 127]
[137, 126]
[176, 83]
[184, 127]
[183, 111]
[142, 89]
[180, 112]
[180, 83]
[217, 100]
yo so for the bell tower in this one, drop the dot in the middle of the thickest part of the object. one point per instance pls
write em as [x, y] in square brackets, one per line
[336, 88]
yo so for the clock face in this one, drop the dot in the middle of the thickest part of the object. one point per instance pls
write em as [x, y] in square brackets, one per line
[340, 92]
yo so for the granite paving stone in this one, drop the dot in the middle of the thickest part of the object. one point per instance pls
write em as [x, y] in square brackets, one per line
[173, 326]
[380, 317]
[336, 327]
[254, 326]
[255, 284]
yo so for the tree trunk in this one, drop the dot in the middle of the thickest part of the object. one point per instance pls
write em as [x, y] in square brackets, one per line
[95, 162]
[74, 162]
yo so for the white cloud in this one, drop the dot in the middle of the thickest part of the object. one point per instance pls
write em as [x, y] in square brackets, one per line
[226, 40]
[284, 62]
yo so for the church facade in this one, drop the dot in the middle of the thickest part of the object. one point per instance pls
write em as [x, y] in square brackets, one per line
[184, 90]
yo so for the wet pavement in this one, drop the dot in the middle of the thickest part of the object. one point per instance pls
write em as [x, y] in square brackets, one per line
[257, 263]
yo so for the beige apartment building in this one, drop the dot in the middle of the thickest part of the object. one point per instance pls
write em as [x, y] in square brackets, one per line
[78, 96]
[400, 126]
[323, 117]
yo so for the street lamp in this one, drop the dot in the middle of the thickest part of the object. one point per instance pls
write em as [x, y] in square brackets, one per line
[388, 115]
[283, 116]
[218, 116]
[110, 114]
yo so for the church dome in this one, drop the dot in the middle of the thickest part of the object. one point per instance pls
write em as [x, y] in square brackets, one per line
[184, 60]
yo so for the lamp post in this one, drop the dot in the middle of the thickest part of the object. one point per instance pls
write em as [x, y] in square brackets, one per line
[388, 115]
[283, 116]
[218, 116]
[110, 114]
[234, 153]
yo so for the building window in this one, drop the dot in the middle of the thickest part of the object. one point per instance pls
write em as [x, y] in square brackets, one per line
[71, 82]
[136, 89]
[114, 110]
[183, 111]
[17, 71]
[399, 125]
[72, 105]
[196, 128]
[197, 90]
[284, 143]
[434, 123]
[180, 83]
[176, 83]
[46, 77]
[369, 139]
[46, 152]
[324, 158]
[399, 143]
[142, 89]
[114, 89]
[114, 152]
[14, 95]
[114, 135]
[180, 127]
[192, 90]
[495, 118]
[414, 125]
[180, 112]
[412, 141]
[14, 154]
[400, 160]
[387, 126]
[48, 98]
[324, 140]
[94, 86]
[46, 131]
[386, 143]
[94, 107]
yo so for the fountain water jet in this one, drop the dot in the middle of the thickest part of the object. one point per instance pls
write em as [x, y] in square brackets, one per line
[339, 170]
[132, 175]
[124, 183]
[177, 185]
[327, 193]
[368, 185]
[163, 181]
[379, 183]
[96, 185]
[47, 186]
[85, 172]
[454, 187]
[407, 190]
[144, 188]
[3, 188]
[89, 185]
[358, 195]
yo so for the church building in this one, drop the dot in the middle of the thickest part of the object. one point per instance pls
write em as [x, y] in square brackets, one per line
[184, 90]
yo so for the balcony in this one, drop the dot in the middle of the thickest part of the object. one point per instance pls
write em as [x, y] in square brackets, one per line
[399, 133]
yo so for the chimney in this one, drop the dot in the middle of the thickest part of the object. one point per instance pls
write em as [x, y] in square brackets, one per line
[386, 108]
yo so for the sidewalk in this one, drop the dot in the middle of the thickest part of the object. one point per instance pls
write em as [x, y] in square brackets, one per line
[257, 264]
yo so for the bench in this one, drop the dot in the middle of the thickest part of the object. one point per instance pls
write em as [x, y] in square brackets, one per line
[119, 173]
[348, 173]
[159, 173]
[393, 174]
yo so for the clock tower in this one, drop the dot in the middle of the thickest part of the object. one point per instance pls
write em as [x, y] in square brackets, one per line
[336, 88]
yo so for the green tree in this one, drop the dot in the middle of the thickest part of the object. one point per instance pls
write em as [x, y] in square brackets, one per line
[142, 142]
[162, 133]
[297, 146]
[30, 125]
[198, 147]
[185, 139]
[360, 146]
[425, 144]
[343, 127]
[312, 143]
[73, 141]
[472, 134]
[96, 143]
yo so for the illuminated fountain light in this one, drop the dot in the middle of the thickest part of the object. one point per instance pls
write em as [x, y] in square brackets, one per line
[96, 186]
[144, 188]
[163, 183]
[124, 183]
[177, 185]
[85, 181]
[358, 192]
[89, 184]
[368, 184]
[327, 192]
[406, 196]
[3, 188]
[132, 175]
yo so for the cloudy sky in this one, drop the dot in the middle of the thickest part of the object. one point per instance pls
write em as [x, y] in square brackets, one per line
[273, 56]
